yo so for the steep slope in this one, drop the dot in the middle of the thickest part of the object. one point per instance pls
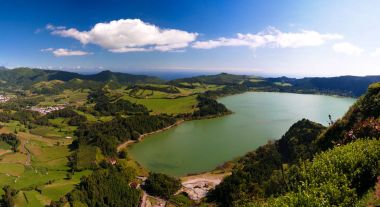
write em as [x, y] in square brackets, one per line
[362, 120]
[252, 176]
[338, 177]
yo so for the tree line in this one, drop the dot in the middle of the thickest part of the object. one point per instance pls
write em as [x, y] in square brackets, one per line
[108, 135]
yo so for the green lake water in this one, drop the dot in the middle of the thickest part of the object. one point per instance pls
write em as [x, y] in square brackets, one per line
[202, 145]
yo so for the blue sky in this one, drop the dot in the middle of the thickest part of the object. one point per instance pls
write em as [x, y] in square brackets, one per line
[294, 38]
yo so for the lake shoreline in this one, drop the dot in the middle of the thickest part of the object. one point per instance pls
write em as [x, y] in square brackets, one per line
[141, 137]
[264, 115]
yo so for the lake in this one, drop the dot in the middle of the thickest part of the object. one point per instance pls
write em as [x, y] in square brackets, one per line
[202, 145]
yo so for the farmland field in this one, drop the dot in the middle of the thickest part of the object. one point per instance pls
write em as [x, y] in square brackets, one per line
[46, 170]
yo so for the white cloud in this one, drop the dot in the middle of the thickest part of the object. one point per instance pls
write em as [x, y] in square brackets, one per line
[65, 52]
[47, 49]
[376, 53]
[52, 27]
[129, 35]
[347, 48]
[271, 37]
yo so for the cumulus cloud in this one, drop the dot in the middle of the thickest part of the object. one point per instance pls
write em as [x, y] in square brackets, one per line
[271, 37]
[65, 52]
[375, 53]
[129, 35]
[347, 48]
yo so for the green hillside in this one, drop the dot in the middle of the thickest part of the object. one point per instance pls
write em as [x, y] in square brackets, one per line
[29, 76]
[296, 170]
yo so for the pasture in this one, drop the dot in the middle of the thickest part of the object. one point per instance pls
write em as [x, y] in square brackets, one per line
[39, 169]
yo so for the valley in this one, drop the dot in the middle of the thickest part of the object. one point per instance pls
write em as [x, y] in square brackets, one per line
[63, 132]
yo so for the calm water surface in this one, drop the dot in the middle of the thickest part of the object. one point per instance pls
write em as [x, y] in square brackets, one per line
[198, 146]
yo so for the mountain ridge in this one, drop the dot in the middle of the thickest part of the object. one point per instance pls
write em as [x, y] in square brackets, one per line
[346, 85]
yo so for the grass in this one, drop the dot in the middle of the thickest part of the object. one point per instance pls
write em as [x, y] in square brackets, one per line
[52, 132]
[87, 155]
[92, 118]
[135, 165]
[181, 200]
[4, 145]
[159, 102]
[13, 158]
[169, 106]
[282, 84]
[37, 177]
[54, 158]
[60, 188]
[5, 180]
[13, 126]
[72, 97]
[13, 169]
[31, 198]
[53, 191]
[256, 80]
[48, 170]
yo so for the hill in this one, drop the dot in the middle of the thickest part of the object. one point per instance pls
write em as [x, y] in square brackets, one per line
[362, 120]
[311, 164]
[353, 86]
[344, 85]
[29, 76]
[349, 85]
[219, 79]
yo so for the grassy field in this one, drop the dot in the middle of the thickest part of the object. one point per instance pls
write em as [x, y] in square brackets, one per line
[169, 106]
[182, 101]
[87, 155]
[11, 169]
[13, 126]
[92, 118]
[76, 98]
[283, 84]
[47, 169]
[53, 132]
[4, 145]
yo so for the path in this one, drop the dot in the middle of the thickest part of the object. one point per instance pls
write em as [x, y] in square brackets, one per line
[143, 200]
[27, 162]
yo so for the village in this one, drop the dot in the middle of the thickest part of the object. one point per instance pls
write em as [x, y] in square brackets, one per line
[48, 109]
[4, 98]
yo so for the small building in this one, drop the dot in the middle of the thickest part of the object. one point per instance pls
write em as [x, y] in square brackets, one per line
[112, 161]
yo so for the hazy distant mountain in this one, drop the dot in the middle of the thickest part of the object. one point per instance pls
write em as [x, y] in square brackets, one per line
[343, 85]
[219, 79]
[353, 85]
[29, 76]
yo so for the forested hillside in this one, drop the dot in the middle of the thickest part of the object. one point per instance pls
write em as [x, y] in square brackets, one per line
[297, 170]
[29, 76]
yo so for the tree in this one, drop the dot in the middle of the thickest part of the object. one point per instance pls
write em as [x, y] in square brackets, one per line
[161, 185]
